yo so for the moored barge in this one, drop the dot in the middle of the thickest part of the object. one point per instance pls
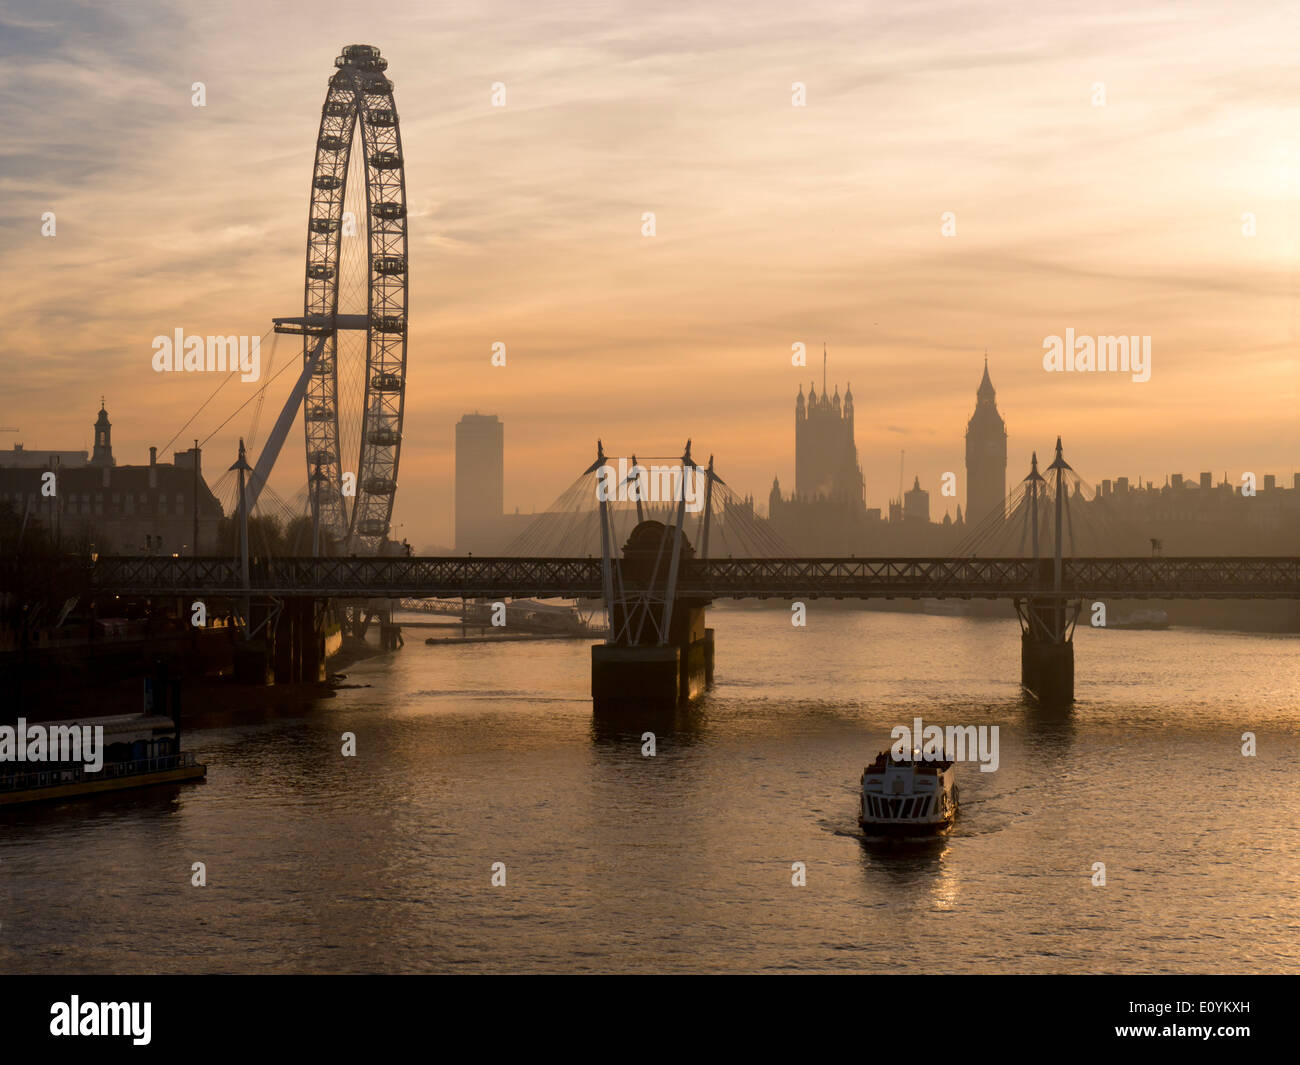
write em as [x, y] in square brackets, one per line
[139, 750]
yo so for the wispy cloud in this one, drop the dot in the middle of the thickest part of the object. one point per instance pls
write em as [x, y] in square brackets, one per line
[775, 223]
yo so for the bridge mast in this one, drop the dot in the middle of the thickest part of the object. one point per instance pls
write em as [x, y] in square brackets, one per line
[708, 509]
[634, 478]
[1060, 466]
[670, 592]
[1034, 480]
[606, 549]
[241, 465]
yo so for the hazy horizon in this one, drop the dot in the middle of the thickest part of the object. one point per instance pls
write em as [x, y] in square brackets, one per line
[775, 224]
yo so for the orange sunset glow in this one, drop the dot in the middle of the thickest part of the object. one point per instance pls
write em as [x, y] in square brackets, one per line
[1096, 168]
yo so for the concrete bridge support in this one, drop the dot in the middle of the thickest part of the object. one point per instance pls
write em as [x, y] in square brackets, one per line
[254, 655]
[660, 651]
[655, 674]
[1047, 650]
[390, 636]
[299, 644]
[288, 648]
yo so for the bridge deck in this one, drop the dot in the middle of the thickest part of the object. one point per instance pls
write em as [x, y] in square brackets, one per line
[740, 578]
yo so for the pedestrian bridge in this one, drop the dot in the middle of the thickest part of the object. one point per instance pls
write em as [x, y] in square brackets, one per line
[707, 579]
[657, 586]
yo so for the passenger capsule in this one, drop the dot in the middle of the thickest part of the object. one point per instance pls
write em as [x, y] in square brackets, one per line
[388, 265]
[388, 323]
[362, 56]
[328, 182]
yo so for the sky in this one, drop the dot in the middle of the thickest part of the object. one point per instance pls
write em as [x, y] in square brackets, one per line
[1097, 167]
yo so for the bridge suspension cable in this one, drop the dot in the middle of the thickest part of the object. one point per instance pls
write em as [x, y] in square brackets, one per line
[570, 526]
[1008, 532]
[225, 380]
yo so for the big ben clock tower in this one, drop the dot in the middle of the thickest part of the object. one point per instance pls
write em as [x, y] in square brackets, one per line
[986, 456]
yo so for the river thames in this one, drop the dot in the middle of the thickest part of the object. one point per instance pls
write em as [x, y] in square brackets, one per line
[613, 861]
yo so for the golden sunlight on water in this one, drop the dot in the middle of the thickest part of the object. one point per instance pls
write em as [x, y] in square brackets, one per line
[479, 754]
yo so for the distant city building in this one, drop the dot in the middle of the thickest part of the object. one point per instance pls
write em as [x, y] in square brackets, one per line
[480, 483]
[119, 509]
[986, 456]
[1187, 516]
[1190, 517]
[916, 503]
[20, 457]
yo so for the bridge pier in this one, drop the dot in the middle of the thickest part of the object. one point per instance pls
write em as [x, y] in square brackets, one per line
[253, 662]
[1047, 650]
[659, 653]
[661, 675]
[390, 636]
[254, 656]
[299, 646]
[288, 649]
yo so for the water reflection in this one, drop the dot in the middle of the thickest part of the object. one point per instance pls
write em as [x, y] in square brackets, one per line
[914, 865]
[1050, 730]
[618, 725]
[155, 804]
[680, 862]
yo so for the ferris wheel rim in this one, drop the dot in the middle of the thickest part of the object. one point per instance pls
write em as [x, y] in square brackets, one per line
[359, 94]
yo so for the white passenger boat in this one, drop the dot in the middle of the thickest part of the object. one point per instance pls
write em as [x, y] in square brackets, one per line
[907, 796]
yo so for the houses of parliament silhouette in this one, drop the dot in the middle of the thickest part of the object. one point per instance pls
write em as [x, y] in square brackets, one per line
[827, 512]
